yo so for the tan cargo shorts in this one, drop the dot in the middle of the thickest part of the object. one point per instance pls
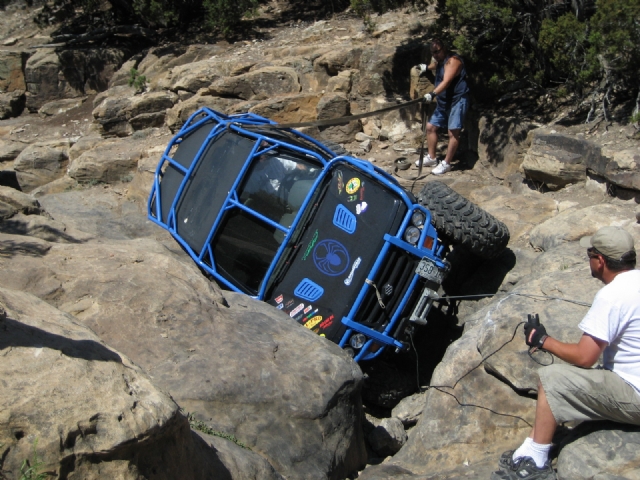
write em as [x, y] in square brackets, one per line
[576, 393]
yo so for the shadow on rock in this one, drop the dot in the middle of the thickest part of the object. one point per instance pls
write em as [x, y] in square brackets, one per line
[16, 334]
[46, 232]
[9, 248]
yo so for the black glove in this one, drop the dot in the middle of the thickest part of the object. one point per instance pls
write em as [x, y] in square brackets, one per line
[534, 335]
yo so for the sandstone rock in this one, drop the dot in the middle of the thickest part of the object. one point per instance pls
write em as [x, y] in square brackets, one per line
[574, 224]
[342, 82]
[83, 409]
[270, 397]
[84, 144]
[336, 105]
[180, 112]
[11, 104]
[623, 169]
[409, 410]
[76, 72]
[600, 450]
[557, 159]
[263, 83]
[289, 109]
[449, 434]
[388, 437]
[338, 60]
[39, 164]
[12, 65]
[10, 149]
[502, 143]
[153, 102]
[60, 106]
[22, 202]
[106, 163]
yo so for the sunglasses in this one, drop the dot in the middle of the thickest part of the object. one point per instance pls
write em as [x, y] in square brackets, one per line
[592, 252]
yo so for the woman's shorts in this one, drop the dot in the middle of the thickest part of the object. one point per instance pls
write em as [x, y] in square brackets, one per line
[451, 118]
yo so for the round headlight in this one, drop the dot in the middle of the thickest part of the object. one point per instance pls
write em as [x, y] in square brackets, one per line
[357, 341]
[412, 235]
[418, 218]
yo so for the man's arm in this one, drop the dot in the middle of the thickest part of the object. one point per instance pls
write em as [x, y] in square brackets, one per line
[585, 353]
[452, 69]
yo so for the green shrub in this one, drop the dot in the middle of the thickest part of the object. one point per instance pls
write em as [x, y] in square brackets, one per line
[225, 15]
[137, 81]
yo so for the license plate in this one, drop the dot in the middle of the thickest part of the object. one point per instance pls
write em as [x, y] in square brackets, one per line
[429, 270]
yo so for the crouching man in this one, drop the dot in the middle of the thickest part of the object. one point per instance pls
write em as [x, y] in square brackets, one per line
[578, 392]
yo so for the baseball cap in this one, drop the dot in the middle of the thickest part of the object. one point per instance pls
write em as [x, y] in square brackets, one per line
[612, 242]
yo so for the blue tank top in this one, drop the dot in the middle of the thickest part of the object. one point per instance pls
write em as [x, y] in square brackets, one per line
[458, 86]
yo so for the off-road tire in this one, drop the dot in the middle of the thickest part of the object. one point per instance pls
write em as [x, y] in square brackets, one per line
[460, 222]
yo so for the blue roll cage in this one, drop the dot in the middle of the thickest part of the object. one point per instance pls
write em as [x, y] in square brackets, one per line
[242, 123]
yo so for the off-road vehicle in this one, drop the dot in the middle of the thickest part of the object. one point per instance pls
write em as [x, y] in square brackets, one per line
[331, 240]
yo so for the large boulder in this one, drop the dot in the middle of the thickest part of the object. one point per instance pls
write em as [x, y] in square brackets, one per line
[263, 83]
[40, 163]
[69, 73]
[278, 388]
[557, 160]
[288, 109]
[12, 65]
[106, 163]
[574, 223]
[74, 408]
[11, 104]
[624, 169]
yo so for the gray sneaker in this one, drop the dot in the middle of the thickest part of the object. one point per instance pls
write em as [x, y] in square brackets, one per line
[524, 469]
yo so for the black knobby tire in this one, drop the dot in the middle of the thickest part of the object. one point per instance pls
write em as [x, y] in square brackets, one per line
[461, 222]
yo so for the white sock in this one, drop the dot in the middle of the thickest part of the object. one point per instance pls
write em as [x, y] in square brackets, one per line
[537, 451]
[520, 451]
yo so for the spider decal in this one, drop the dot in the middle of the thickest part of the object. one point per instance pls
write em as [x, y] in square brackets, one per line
[330, 257]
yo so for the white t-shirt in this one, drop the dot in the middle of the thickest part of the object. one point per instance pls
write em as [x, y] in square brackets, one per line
[614, 317]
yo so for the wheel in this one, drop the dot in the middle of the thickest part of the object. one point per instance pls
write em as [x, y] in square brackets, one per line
[461, 222]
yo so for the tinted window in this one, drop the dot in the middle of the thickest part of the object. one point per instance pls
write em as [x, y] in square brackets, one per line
[243, 249]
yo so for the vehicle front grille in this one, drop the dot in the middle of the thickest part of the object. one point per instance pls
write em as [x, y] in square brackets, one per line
[391, 282]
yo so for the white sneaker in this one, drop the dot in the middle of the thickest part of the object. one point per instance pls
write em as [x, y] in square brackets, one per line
[444, 167]
[427, 161]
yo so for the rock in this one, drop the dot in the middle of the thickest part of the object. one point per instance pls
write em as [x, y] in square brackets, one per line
[448, 433]
[338, 60]
[60, 106]
[387, 438]
[366, 145]
[262, 83]
[239, 462]
[502, 143]
[600, 450]
[11, 104]
[180, 112]
[22, 202]
[573, 224]
[342, 82]
[12, 65]
[287, 109]
[81, 408]
[558, 160]
[336, 105]
[623, 169]
[106, 163]
[409, 410]
[10, 149]
[39, 164]
[86, 71]
[270, 397]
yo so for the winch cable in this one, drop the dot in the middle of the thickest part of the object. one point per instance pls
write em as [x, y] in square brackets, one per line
[336, 121]
[452, 387]
[344, 120]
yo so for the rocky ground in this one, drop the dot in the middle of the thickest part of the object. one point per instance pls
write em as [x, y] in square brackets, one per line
[78, 247]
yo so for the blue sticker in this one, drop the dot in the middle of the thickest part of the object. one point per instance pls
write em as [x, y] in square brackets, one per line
[331, 257]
